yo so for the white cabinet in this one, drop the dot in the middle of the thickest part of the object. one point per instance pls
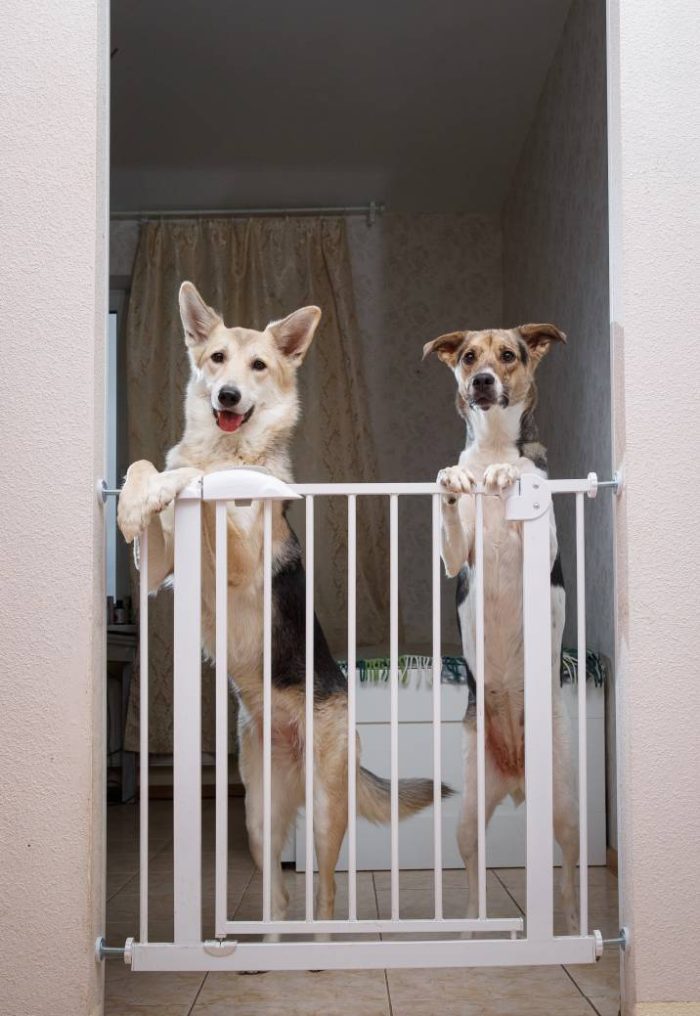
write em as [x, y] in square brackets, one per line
[506, 831]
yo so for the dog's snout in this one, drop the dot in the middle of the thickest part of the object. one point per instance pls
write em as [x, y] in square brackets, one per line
[483, 382]
[229, 396]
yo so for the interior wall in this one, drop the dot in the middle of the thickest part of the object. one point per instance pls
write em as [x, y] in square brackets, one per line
[555, 268]
[417, 276]
[655, 243]
[53, 192]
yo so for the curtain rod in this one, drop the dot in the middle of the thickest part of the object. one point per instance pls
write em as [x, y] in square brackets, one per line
[371, 210]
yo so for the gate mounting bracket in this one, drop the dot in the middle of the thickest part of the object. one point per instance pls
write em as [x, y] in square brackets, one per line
[113, 952]
[622, 939]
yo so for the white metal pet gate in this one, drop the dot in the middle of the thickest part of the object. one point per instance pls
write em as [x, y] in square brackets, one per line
[521, 942]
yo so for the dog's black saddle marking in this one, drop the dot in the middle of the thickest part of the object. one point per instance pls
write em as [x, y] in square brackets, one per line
[557, 574]
[289, 631]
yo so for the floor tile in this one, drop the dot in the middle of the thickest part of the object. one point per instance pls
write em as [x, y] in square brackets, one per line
[600, 980]
[124, 987]
[416, 896]
[487, 992]
[515, 991]
[607, 1005]
[327, 993]
[120, 1008]
[251, 905]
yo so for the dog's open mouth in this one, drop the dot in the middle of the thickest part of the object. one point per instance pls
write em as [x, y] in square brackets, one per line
[483, 401]
[229, 421]
[486, 401]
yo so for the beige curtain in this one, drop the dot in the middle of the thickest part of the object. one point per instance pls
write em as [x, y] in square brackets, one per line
[253, 272]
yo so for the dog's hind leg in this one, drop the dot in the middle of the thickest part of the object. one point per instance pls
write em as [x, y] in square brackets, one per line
[467, 828]
[330, 823]
[285, 803]
[565, 814]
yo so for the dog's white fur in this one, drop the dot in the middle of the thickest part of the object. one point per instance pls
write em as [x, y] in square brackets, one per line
[497, 454]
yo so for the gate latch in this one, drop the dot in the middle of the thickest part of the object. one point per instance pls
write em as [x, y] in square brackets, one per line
[530, 498]
[220, 946]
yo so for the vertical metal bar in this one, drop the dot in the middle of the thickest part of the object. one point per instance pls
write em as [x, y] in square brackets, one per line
[221, 859]
[582, 718]
[437, 708]
[143, 737]
[480, 720]
[352, 710]
[537, 639]
[187, 723]
[394, 692]
[309, 719]
[267, 710]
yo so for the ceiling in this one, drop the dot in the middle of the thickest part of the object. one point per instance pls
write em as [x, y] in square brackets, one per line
[229, 103]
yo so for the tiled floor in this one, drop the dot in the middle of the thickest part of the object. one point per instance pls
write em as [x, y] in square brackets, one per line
[515, 991]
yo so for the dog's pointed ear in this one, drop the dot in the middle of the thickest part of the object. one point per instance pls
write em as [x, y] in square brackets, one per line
[539, 338]
[198, 319]
[446, 346]
[294, 333]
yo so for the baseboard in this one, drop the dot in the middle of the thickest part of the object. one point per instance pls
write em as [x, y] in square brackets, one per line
[611, 860]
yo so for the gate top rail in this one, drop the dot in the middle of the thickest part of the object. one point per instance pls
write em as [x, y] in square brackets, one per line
[246, 484]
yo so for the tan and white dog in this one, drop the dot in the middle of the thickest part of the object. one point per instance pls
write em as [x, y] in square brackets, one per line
[240, 410]
[496, 396]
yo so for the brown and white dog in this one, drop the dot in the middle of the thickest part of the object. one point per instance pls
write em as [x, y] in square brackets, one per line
[496, 397]
[240, 410]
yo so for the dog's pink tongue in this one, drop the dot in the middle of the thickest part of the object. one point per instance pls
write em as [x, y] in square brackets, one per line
[229, 421]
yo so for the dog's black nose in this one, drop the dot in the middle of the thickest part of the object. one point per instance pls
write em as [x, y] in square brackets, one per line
[482, 382]
[229, 396]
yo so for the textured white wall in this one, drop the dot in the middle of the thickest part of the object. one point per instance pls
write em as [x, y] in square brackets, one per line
[53, 133]
[655, 219]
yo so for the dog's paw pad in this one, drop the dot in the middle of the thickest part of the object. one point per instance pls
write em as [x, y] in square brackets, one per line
[500, 476]
[456, 480]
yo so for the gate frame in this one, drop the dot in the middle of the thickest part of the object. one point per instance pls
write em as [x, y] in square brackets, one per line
[529, 501]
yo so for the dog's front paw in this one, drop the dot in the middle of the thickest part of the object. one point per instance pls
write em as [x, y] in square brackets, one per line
[147, 492]
[133, 498]
[500, 476]
[456, 480]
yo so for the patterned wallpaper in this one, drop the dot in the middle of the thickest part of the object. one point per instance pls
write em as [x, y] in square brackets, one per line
[555, 268]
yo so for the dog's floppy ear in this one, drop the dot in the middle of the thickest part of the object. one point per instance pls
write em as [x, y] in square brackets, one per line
[446, 346]
[198, 319]
[294, 333]
[539, 338]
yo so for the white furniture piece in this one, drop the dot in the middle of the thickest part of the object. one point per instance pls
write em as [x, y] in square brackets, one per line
[505, 838]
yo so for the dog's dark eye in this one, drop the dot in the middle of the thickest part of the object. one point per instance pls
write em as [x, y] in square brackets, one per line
[469, 356]
[258, 365]
[218, 357]
[507, 355]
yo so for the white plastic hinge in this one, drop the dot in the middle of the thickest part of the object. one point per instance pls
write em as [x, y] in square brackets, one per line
[220, 947]
[193, 491]
[529, 498]
[243, 484]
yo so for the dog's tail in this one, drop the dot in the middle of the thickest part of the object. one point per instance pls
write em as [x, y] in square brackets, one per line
[374, 796]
